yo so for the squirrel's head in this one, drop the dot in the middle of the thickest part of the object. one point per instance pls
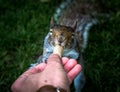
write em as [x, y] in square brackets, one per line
[62, 35]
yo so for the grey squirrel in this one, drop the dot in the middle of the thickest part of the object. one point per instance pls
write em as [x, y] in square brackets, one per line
[73, 18]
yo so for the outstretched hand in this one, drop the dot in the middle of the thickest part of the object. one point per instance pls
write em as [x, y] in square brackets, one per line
[55, 73]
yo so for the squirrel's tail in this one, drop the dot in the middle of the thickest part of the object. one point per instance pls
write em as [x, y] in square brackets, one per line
[82, 30]
[59, 10]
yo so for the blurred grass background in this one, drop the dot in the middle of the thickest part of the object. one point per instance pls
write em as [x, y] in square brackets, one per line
[23, 26]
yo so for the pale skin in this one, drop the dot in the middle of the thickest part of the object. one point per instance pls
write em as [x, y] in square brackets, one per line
[57, 72]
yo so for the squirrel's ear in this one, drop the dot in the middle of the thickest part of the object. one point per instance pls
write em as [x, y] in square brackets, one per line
[74, 25]
[51, 22]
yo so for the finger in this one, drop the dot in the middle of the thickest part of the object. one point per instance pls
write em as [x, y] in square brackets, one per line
[54, 58]
[65, 60]
[36, 69]
[74, 72]
[70, 64]
[39, 68]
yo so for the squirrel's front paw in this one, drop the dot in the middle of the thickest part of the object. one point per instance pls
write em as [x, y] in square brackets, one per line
[44, 60]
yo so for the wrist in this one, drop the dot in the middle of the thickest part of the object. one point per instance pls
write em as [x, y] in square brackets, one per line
[49, 88]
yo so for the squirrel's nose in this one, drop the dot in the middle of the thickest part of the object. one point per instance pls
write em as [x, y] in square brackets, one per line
[60, 40]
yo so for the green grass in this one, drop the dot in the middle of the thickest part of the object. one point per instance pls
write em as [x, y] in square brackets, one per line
[23, 26]
[102, 57]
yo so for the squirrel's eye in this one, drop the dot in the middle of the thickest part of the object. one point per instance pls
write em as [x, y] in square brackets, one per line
[51, 31]
[73, 35]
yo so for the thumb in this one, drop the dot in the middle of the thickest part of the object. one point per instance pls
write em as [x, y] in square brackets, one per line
[54, 58]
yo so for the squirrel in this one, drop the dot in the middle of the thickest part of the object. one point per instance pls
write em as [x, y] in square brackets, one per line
[73, 18]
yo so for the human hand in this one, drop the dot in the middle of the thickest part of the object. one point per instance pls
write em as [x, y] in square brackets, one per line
[55, 73]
